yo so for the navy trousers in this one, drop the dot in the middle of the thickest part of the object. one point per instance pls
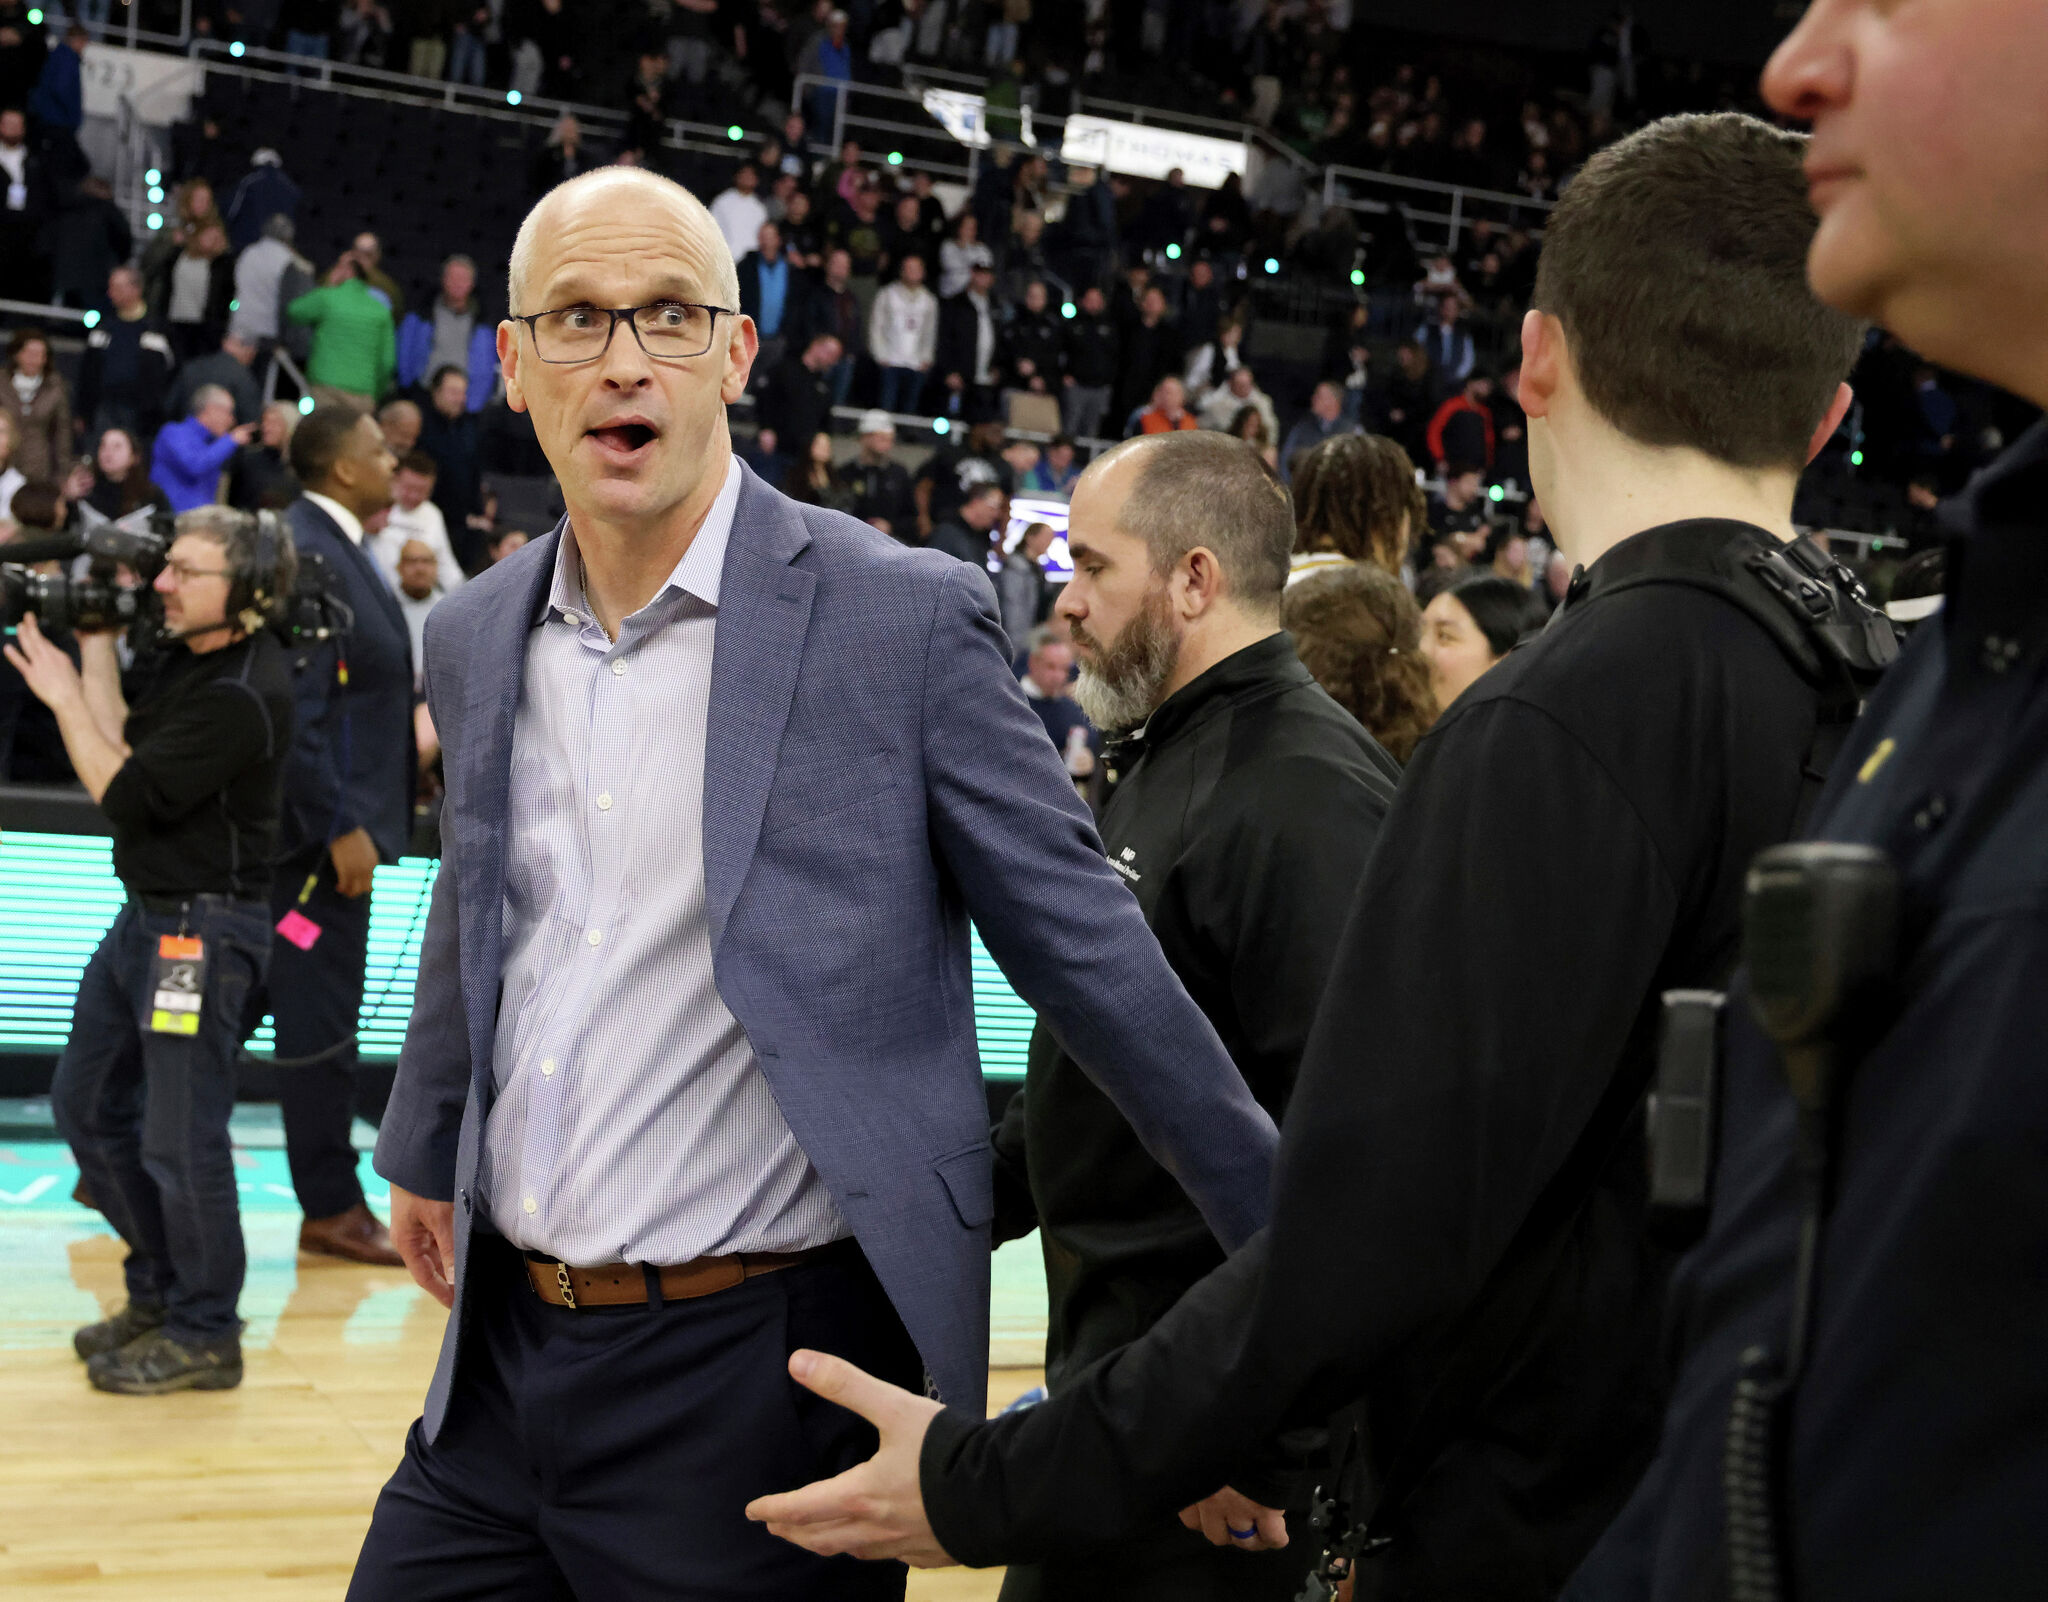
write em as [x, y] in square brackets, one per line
[315, 997]
[606, 1454]
[146, 1114]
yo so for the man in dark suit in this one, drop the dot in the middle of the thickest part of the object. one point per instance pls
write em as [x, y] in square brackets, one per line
[348, 793]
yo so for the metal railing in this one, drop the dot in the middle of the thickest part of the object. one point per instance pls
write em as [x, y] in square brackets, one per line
[400, 88]
[43, 313]
[1452, 207]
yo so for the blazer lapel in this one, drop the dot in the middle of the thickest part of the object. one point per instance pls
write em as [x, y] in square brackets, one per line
[495, 669]
[764, 610]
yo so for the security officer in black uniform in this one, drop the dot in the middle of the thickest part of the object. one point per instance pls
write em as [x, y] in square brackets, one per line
[189, 780]
[348, 807]
[1899, 1450]
[1247, 804]
[1459, 1235]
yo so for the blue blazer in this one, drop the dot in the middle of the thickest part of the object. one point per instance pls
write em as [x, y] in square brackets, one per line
[354, 763]
[873, 778]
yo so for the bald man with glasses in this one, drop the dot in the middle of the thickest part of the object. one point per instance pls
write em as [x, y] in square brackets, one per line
[692, 1079]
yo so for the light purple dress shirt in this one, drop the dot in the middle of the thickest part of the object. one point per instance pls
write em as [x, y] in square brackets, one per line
[633, 1122]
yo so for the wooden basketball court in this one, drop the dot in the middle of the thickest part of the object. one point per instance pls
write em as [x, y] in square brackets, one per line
[262, 1492]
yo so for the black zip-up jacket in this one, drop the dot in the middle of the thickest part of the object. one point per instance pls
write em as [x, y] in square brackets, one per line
[1241, 820]
[1461, 1176]
[1091, 352]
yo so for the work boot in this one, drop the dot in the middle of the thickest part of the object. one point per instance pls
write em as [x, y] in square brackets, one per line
[111, 1334]
[157, 1364]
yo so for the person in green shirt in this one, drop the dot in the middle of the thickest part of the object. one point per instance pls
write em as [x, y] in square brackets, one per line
[354, 351]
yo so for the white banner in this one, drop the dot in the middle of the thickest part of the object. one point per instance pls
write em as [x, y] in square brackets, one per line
[1144, 151]
[159, 88]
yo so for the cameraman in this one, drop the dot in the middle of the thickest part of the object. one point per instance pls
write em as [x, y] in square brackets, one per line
[190, 780]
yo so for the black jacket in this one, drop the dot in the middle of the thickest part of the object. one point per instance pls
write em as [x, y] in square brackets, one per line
[1918, 1461]
[883, 490]
[1035, 337]
[796, 403]
[1462, 1164]
[1241, 820]
[127, 366]
[353, 762]
[1091, 352]
[959, 338]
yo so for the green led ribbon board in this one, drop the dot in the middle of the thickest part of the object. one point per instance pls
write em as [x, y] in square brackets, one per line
[58, 893]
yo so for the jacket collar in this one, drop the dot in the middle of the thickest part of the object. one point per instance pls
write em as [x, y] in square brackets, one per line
[1261, 669]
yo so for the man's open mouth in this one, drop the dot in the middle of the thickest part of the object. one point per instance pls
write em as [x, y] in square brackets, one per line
[623, 439]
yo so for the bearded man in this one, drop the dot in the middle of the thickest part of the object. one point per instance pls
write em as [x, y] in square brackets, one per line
[1247, 805]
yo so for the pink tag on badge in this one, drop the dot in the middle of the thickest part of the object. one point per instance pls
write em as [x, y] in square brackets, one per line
[299, 929]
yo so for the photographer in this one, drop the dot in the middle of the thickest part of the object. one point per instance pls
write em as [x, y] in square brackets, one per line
[189, 779]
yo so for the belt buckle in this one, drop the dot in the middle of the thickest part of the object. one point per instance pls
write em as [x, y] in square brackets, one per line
[568, 1290]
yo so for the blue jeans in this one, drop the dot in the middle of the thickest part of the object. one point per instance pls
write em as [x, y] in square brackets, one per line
[842, 379]
[305, 44]
[147, 1114]
[900, 389]
[466, 57]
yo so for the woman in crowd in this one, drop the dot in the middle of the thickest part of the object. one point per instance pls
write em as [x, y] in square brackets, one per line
[1355, 500]
[11, 477]
[121, 483]
[815, 480]
[1468, 627]
[35, 398]
[1359, 631]
[194, 290]
[192, 208]
[960, 255]
[1249, 425]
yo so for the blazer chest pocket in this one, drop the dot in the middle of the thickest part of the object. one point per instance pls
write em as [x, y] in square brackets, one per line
[969, 1178]
[812, 784]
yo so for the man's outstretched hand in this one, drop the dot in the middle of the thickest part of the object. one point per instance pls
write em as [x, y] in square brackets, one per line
[875, 1509]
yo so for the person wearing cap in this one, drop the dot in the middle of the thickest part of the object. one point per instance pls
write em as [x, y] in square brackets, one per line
[266, 191]
[881, 485]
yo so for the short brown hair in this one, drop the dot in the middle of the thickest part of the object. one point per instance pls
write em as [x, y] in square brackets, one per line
[419, 462]
[1676, 262]
[1199, 488]
[1359, 631]
[1356, 494]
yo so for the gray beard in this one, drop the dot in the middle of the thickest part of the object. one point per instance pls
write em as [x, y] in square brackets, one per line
[1127, 681]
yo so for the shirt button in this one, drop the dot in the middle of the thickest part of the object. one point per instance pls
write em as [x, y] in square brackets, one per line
[619, 668]
[571, 617]
[531, 1205]
[595, 937]
[547, 1067]
[604, 801]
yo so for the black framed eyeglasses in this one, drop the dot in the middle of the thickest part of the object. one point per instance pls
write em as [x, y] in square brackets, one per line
[668, 330]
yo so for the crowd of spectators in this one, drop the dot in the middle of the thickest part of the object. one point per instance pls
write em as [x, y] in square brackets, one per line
[1046, 309]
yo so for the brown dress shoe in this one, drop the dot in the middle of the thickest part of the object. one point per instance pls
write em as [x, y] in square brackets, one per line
[355, 1235]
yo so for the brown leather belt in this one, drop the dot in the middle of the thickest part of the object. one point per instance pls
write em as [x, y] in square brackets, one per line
[628, 1284]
